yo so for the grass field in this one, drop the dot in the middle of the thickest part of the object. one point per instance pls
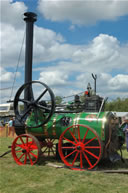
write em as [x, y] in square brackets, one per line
[45, 179]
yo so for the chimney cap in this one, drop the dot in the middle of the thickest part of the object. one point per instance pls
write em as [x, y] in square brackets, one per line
[30, 16]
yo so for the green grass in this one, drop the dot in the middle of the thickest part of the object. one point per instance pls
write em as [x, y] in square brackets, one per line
[45, 179]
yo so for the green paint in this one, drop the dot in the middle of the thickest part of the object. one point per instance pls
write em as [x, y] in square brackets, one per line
[55, 126]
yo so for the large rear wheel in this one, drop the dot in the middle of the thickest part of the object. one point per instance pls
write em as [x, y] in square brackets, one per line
[80, 147]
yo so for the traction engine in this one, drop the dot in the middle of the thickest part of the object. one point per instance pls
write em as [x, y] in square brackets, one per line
[81, 133]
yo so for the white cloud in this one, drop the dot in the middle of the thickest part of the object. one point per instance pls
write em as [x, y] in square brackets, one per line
[103, 54]
[11, 42]
[83, 12]
[54, 78]
[50, 46]
[12, 13]
[5, 76]
[119, 82]
[12, 31]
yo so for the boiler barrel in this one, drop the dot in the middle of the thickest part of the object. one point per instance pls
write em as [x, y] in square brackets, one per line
[59, 122]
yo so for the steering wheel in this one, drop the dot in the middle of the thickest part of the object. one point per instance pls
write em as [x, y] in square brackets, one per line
[36, 108]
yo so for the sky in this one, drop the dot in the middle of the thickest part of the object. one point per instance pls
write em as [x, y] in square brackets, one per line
[72, 40]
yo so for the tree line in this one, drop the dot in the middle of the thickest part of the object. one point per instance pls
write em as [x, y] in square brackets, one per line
[120, 105]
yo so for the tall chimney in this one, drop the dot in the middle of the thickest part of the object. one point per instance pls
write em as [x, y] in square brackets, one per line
[29, 18]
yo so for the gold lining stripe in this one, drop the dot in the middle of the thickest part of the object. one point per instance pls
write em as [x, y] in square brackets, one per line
[103, 126]
[54, 127]
[45, 131]
[75, 119]
[76, 122]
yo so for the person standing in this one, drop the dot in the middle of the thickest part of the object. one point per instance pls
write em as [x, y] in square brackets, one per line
[125, 130]
[11, 127]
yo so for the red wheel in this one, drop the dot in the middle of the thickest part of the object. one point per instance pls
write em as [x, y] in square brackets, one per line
[80, 147]
[26, 149]
[49, 147]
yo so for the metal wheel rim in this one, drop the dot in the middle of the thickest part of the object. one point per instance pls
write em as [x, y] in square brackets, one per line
[81, 153]
[26, 150]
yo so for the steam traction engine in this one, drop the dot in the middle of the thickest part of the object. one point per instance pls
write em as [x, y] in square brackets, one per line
[81, 133]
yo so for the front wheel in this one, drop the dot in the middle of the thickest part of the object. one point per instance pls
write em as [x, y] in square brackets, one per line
[80, 147]
[26, 149]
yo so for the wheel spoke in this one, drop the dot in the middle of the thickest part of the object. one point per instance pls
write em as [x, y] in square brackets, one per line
[87, 160]
[32, 142]
[73, 136]
[75, 158]
[79, 133]
[85, 135]
[22, 141]
[18, 151]
[90, 140]
[33, 147]
[21, 156]
[52, 140]
[25, 160]
[27, 141]
[34, 155]
[81, 161]
[30, 159]
[70, 154]
[25, 113]
[93, 155]
[43, 107]
[92, 147]
[24, 101]
[53, 152]
[72, 147]
[41, 95]
[45, 150]
[19, 145]
[54, 147]
[69, 140]
[48, 152]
